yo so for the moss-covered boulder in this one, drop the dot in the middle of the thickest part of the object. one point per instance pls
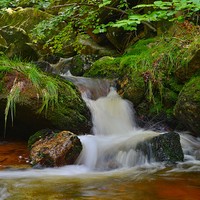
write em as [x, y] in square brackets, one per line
[132, 87]
[56, 149]
[105, 67]
[17, 42]
[163, 148]
[130, 82]
[187, 108]
[25, 18]
[37, 101]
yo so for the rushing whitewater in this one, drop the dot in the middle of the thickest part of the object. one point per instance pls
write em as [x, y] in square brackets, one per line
[115, 135]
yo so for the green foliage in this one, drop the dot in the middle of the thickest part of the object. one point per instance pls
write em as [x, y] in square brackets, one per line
[159, 10]
[157, 60]
[7, 3]
[77, 18]
[61, 30]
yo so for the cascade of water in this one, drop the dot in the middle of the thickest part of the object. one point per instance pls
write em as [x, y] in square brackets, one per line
[115, 134]
[111, 115]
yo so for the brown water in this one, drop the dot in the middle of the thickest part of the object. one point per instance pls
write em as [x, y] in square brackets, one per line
[13, 153]
[136, 184]
[158, 186]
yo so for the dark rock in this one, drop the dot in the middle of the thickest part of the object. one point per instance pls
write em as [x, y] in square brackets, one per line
[44, 66]
[187, 108]
[91, 47]
[163, 148]
[56, 149]
[81, 63]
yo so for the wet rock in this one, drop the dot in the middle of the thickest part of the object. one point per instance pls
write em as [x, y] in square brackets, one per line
[81, 63]
[163, 148]
[187, 108]
[57, 149]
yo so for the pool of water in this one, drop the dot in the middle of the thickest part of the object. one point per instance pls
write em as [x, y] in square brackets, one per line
[135, 184]
[153, 181]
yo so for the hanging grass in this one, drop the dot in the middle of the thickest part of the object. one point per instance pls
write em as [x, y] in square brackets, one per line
[45, 86]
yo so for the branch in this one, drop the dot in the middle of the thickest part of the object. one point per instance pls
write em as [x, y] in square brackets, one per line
[90, 5]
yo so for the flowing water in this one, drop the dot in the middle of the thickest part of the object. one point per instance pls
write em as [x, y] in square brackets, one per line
[109, 167]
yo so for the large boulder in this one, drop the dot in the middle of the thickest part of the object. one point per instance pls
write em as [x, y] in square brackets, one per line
[163, 148]
[187, 108]
[54, 103]
[56, 149]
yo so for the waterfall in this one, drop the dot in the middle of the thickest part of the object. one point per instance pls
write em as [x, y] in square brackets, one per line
[114, 133]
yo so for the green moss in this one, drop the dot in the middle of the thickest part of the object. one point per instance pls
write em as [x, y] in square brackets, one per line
[52, 98]
[140, 47]
[106, 67]
[37, 136]
[194, 89]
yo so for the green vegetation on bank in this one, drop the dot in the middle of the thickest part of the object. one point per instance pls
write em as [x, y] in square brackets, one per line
[153, 69]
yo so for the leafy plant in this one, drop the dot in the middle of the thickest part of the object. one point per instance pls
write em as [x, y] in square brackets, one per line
[77, 18]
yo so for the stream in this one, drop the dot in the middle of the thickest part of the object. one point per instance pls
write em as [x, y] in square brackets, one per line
[108, 167]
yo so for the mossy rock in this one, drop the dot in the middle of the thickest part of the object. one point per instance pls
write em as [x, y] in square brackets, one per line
[106, 67]
[187, 108]
[25, 18]
[33, 112]
[18, 43]
[39, 135]
[184, 73]
[163, 148]
[132, 87]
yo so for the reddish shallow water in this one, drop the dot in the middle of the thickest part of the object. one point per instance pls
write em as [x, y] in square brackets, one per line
[160, 185]
[13, 154]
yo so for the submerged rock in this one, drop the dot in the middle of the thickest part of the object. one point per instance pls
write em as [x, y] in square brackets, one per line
[163, 148]
[56, 149]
